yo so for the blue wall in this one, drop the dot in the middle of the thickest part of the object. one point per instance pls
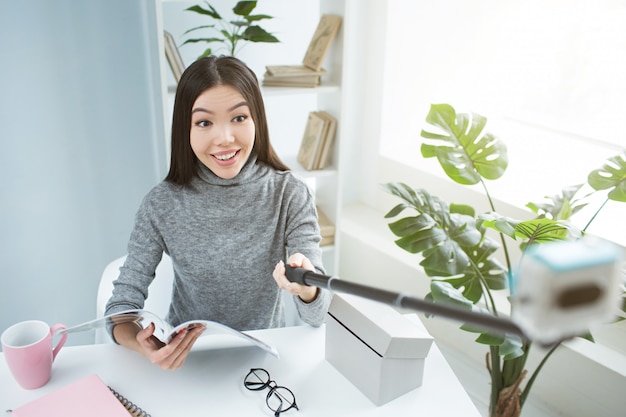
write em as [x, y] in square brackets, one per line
[81, 135]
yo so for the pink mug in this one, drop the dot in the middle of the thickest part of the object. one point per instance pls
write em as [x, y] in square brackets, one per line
[28, 350]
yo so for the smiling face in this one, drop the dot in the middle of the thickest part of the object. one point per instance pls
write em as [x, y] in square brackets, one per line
[222, 130]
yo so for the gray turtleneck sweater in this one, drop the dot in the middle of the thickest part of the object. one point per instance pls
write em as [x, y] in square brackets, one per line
[225, 237]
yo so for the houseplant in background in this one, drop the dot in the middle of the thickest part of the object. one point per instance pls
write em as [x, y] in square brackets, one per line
[458, 254]
[229, 34]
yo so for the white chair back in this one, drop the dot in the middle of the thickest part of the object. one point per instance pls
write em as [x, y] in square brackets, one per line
[159, 294]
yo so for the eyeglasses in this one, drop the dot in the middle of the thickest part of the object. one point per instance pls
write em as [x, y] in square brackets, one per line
[279, 399]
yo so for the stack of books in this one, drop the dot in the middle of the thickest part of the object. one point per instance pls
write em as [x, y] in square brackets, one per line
[292, 76]
[309, 73]
[317, 141]
[327, 228]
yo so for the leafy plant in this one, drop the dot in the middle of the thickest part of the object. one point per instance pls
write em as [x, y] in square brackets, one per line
[230, 33]
[459, 256]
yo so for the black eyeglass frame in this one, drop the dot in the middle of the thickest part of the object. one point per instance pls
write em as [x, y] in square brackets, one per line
[266, 382]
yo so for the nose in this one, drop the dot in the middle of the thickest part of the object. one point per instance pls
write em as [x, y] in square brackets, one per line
[224, 135]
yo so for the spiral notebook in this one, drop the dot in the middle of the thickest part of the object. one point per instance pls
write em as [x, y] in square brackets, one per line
[88, 396]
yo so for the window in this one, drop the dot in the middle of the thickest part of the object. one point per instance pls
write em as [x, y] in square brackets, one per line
[549, 76]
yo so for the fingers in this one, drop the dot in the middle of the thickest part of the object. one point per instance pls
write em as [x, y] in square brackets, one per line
[281, 279]
[172, 355]
[298, 260]
[306, 293]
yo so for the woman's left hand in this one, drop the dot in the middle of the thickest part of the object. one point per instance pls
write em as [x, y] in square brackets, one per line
[297, 260]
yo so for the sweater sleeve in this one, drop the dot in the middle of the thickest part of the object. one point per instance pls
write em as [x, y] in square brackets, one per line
[303, 236]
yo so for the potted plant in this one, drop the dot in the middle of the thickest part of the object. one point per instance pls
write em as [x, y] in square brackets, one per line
[460, 257]
[227, 34]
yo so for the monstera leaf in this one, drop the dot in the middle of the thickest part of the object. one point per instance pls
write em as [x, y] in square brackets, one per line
[484, 270]
[465, 151]
[612, 176]
[435, 232]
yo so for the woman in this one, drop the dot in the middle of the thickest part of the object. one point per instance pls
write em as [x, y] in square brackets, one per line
[228, 213]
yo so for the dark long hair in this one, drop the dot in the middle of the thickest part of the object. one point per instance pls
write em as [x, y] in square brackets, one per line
[197, 78]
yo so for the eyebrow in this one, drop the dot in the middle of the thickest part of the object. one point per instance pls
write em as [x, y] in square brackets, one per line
[240, 104]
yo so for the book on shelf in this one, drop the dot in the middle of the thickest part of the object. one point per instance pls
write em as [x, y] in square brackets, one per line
[173, 56]
[292, 76]
[297, 81]
[329, 139]
[309, 73]
[311, 141]
[325, 32]
[327, 228]
[287, 71]
[317, 140]
[164, 331]
[87, 396]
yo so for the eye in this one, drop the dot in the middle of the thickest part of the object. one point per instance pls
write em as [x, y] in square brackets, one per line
[240, 119]
[203, 123]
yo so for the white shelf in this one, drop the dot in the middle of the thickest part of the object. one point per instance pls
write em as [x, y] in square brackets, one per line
[284, 91]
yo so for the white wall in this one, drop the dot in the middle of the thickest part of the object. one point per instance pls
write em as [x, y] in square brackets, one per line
[80, 121]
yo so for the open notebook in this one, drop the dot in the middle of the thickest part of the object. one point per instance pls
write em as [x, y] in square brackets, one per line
[86, 397]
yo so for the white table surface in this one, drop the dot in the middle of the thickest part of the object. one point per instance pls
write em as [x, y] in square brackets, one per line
[211, 381]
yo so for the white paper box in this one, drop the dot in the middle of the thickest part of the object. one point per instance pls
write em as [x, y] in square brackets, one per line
[376, 348]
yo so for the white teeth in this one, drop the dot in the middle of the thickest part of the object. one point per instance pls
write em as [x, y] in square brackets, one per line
[225, 156]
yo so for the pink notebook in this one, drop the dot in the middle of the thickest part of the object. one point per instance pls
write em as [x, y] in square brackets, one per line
[88, 396]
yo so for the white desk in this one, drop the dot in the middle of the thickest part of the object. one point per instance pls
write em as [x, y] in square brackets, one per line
[211, 381]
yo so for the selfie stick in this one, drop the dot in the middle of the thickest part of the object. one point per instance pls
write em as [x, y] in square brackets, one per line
[479, 320]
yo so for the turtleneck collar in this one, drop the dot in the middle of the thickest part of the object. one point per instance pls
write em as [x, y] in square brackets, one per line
[251, 171]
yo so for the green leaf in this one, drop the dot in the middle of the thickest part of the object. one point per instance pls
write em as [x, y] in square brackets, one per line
[512, 347]
[509, 347]
[465, 151]
[199, 27]
[588, 336]
[403, 191]
[416, 232]
[611, 176]
[257, 34]
[435, 232]
[396, 210]
[462, 209]
[559, 206]
[443, 292]
[207, 40]
[485, 270]
[540, 231]
[212, 12]
[490, 339]
[207, 52]
[444, 260]
[258, 17]
[499, 223]
[244, 8]
[240, 23]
